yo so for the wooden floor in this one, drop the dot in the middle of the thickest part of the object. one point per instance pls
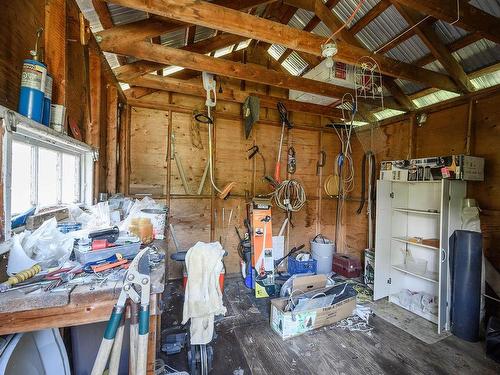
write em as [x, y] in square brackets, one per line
[246, 342]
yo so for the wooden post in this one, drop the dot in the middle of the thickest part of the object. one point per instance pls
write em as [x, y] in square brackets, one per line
[112, 139]
[55, 47]
[92, 135]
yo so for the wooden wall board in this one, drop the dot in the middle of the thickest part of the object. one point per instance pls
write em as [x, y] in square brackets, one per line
[19, 21]
[191, 147]
[231, 163]
[148, 151]
[191, 221]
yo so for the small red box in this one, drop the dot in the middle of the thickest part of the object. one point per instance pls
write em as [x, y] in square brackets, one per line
[346, 265]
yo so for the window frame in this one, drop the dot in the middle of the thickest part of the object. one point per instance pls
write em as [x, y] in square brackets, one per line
[18, 128]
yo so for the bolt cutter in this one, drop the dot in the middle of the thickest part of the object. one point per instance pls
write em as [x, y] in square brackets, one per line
[136, 287]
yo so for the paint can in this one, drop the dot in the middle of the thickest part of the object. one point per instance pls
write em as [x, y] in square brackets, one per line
[158, 217]
[47, 101]
[31, 96]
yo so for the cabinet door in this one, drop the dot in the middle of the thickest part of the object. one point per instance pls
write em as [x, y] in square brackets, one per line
[443, 257]
[383, 222]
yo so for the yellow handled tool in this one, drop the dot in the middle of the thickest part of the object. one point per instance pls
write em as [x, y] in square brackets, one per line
[20, 277]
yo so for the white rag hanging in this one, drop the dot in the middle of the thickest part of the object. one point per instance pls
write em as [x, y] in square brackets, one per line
[203, 296]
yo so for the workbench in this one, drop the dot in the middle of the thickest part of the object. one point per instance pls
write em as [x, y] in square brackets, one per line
[83, 304]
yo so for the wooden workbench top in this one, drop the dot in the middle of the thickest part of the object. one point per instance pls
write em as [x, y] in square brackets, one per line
[94, 300]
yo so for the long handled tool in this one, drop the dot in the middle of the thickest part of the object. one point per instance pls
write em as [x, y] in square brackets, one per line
[284, 122]
[136, 287]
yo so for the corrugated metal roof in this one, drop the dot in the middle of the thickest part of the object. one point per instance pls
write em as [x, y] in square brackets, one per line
[322, 30]
[203, 33]
[122, 15]
[410, 87]
[345, 8]
[294, 64]
[300, 19]
[435, 97]
[382, 29]
[490, 6]
[276, 51]
[448, 33]
[436, 66]
[476, 55]
[387, 113]
[410, 50]
[174, 39]
[487, 80]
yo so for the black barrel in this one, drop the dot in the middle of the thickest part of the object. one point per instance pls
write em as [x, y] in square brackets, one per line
[465, 266]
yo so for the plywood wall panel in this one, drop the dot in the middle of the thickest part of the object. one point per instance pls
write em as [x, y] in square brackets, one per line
[148, 151]
[191, 221]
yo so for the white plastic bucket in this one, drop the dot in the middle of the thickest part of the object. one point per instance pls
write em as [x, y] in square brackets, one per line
[322, 250]
[158, 217]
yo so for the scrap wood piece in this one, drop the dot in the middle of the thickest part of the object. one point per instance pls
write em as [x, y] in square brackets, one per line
[35, 221]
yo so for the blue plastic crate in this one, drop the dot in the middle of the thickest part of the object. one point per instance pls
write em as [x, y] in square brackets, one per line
[295, 266]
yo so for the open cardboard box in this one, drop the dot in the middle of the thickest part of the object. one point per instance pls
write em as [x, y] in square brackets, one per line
[289, 324]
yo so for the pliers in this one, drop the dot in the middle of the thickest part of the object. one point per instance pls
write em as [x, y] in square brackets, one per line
[136, 287]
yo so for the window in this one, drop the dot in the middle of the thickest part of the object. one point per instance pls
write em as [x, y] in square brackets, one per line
[43, 177]
[42, 167]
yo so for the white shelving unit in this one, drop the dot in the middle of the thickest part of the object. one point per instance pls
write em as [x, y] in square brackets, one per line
[406, 210]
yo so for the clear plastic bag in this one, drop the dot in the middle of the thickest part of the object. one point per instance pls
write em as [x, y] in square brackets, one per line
[47, 245]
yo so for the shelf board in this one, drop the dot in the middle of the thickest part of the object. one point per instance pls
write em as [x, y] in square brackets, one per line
[406, 241]
[417, 182]
[428, 276]
[414, 211]
[431, 317]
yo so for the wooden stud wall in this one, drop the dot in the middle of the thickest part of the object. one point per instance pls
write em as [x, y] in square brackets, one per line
[199, 218]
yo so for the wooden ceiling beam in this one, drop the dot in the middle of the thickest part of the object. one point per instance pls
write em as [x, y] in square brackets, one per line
[104, 15]
[228, 20]
[236, 96]
[248, 72]
[469, 18]
[141, 67]
[334, 23]
[370, 16]
[436, 46]
[452, 47]
[151, 27]
[311, 25]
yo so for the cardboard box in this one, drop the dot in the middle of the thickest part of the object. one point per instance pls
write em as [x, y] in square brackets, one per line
[289, 324]
[454, 167]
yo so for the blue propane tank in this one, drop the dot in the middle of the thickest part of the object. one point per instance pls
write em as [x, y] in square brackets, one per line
[47, 101]
[31, 97]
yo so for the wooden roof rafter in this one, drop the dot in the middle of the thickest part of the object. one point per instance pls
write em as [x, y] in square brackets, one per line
[437, 48]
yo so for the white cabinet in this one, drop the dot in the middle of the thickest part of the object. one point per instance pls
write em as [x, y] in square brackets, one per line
[414, 221]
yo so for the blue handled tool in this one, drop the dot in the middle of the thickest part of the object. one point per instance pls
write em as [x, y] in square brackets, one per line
[136, 287]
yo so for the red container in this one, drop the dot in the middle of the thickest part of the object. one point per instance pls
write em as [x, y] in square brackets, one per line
[346, 265]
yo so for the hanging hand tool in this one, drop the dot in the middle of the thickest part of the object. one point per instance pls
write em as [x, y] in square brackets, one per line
[292, 161]
[321, 162]
[136, 287]
[284, 122]
[19, 277]
[254, 150]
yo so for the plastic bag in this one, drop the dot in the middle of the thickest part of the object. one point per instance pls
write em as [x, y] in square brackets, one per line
[47, 245]
[135, 211]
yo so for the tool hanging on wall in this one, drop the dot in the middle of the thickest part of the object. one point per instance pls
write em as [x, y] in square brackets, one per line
[251, 112]
[370, 209]
[291, 165]
[284, 122]
[321, 162]
[254, 150]
[209, 85]
[180, 168]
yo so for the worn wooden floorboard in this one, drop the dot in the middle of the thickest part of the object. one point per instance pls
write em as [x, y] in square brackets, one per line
[246, 342]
